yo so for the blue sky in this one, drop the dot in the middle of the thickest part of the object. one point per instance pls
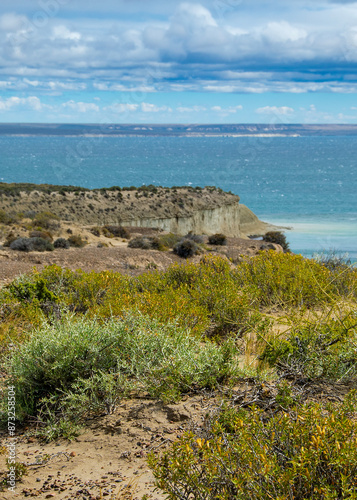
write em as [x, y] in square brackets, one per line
[166, 61]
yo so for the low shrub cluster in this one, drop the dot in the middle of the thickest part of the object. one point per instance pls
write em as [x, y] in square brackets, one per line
[278, 238]
[146, 243]
[116, 231]
[186, 248]
[299, 453]
[77, 366]
[61, 243]
[34, 244]
[217, 239]
[76, 240]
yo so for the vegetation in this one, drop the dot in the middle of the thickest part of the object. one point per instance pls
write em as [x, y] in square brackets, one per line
[217, 239]
[186, 248]
[34, 244]
[61, 243]
[146, 243]
[278, 238]
[85, 341]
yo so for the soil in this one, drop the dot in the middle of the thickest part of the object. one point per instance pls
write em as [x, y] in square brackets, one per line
[108, 459]
[117, 257]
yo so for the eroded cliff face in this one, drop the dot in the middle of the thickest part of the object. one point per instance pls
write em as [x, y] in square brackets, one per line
[225, 219]
[177, 210]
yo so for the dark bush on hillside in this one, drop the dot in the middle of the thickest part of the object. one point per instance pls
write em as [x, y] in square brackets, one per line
[31, 244]
[61, 243]
[117, 231]
[46, 235]
[146, 243]
[217, 239]
[186, 248]
[75, 240]
[95, 230]
[278, 238]
[197, 238]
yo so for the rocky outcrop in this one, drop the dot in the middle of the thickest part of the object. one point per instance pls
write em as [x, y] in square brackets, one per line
[178, 210]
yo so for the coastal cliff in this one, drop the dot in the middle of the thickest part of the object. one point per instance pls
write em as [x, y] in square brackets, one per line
[179, 210]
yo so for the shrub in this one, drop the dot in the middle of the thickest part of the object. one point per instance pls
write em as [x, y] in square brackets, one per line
[197, 238]
[322, 349]
[186, 248]
[96, 231]
[77, 356]
[117, 231]
[76, 240]
[8, 219]
[9, 239]
[32, 244]
[146, 243]
[305, 452]
[41, 245]
[21, 244]
[46, 235]
[217, 239]
[46, 220]
[278, 238]
[169, 240]
[333, 261]
[61, 243]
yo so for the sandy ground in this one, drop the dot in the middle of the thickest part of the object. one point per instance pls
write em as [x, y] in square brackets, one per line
[115, 258]
[108, 459]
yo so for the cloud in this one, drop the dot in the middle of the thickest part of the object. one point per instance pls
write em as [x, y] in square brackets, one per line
[275, 110]
[31, 102]
[153, 108]
[81, 107]
[211, 45]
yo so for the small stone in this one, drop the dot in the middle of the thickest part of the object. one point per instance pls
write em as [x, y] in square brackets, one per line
[72, 454]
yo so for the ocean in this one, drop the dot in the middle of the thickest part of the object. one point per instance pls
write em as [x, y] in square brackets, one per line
[308, 184]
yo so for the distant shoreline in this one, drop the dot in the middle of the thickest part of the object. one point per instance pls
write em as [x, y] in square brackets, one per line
[175, 130]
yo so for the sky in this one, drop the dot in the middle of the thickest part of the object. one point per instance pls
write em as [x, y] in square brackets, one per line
[167, 61]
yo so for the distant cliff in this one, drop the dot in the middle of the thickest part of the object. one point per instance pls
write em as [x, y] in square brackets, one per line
[180, 210]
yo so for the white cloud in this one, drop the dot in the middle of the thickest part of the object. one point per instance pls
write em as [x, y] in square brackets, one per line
[31, 102]
[275, 110]
[190, 109]
[62, 32]
[153, 108]
[81, 107]
[12, 22]
[227, 111]
[283, 32]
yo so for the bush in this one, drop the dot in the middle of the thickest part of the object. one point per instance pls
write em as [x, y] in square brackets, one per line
[117, 231]
[9, 239]
[76, 356]
[169, 240]
[217, 239]
[46, 235]
[197, 238]
[322, 349]
[186, 248]
[61, 243]
[46, 220]
[75, 240]
[305, 452]
[278, 238]
[31, 244]
[146, 243]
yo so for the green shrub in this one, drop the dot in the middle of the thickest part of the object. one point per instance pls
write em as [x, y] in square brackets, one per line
[305, 452]
[321, 349]
[146, 243]
[46, 220]
[61, 243]
[278, 238]
[9, 239]
[46, 235]
[32, 244]
[169, 240]
[76, 240]
[197, 238]
[61, 358]
[117, 231]
[217, 239]
[186, 248]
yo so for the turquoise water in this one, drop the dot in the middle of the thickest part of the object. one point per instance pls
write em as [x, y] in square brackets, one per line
[306, 183]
